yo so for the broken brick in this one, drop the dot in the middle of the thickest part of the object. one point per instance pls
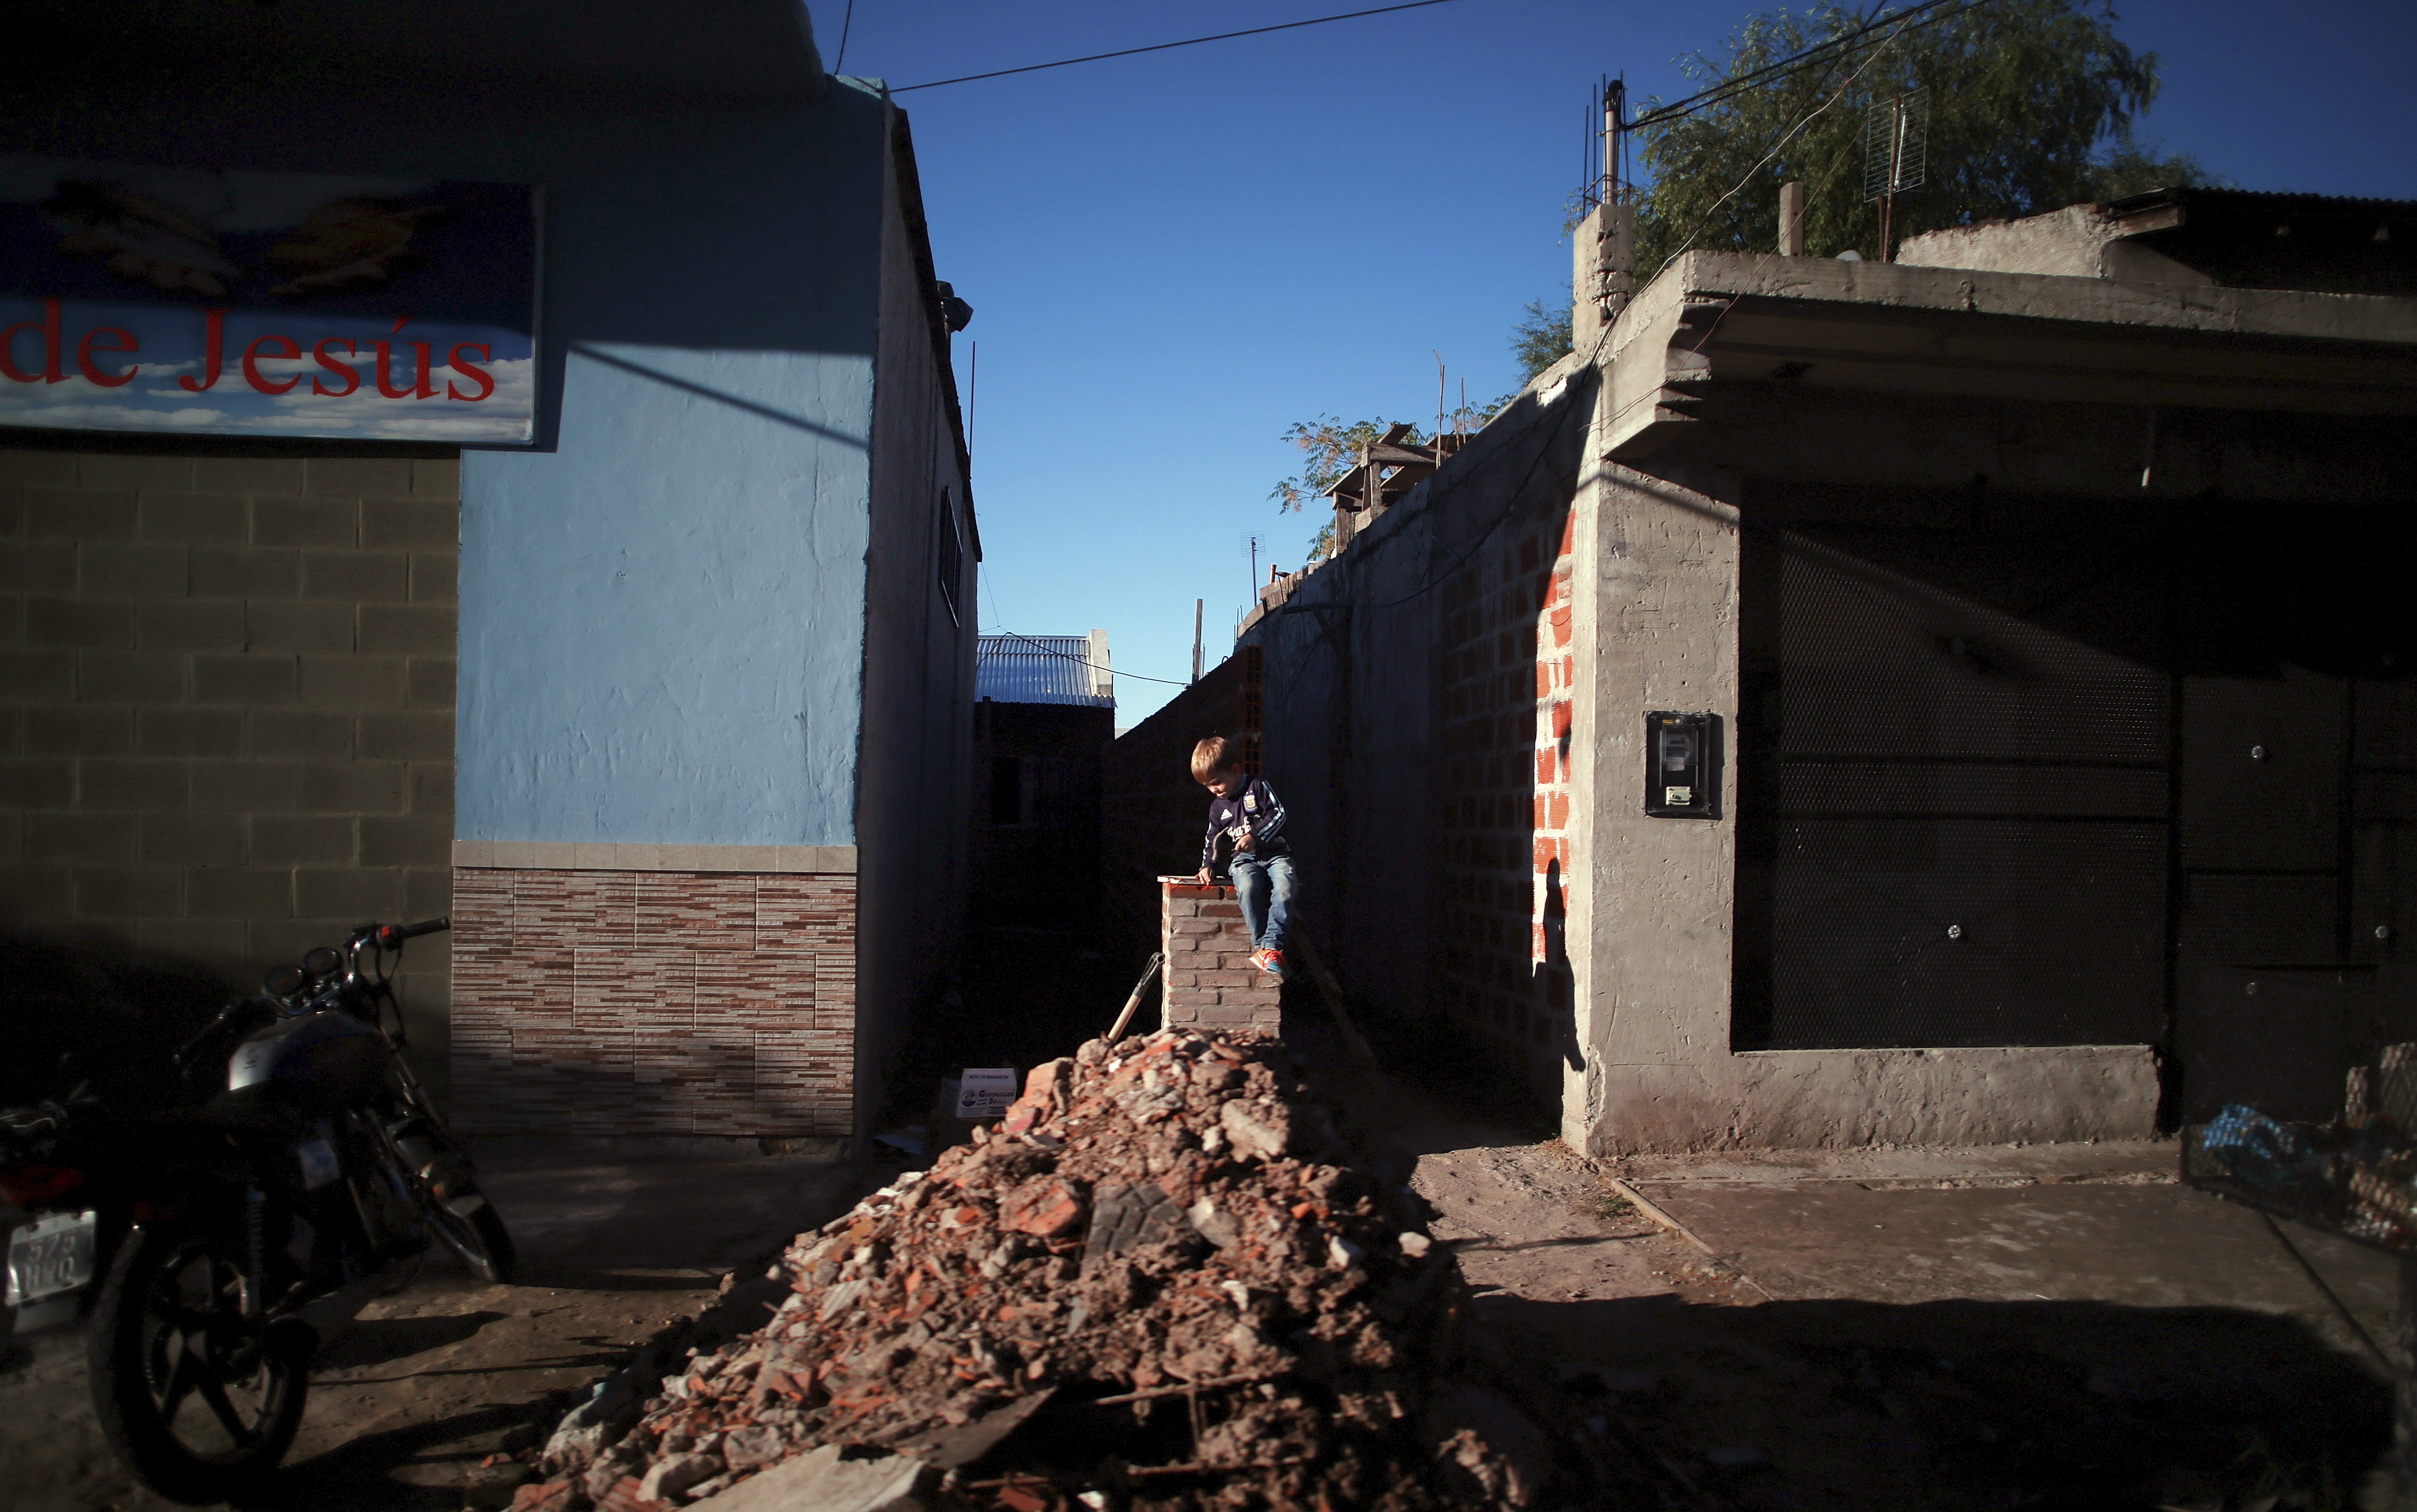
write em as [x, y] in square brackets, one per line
[1044, 1208]
[1176, 1216]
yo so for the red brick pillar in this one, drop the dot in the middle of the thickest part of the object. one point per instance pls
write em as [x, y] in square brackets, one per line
[1209, 979]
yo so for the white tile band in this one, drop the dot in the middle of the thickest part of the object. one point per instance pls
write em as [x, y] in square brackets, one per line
[607, 856]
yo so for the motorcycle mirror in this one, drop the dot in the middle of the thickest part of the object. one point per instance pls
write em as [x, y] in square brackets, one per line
[282, 981]
[321, 962]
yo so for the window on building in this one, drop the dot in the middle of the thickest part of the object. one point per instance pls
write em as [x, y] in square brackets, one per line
[952, 558]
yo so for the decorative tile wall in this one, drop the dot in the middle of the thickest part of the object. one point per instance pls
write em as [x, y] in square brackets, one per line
[654, 1001]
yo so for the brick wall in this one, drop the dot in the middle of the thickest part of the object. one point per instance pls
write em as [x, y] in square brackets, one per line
[1508, 665]
[226, 703]
[654, 1001]
[1209, 979]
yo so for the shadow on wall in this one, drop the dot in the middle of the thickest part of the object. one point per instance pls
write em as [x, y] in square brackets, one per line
[1944, 1406]
[556, 1082]
[1418, 711]
[1507, 663]
[1996, 791]
[72, 1010]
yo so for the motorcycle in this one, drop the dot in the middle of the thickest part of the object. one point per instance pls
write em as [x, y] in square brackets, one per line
[50, 1217]
[260, 1222]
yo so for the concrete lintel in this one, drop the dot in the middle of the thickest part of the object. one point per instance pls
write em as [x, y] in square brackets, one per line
[2002, 335]
[2367, 319]
[1843, 1099]
[606, 856]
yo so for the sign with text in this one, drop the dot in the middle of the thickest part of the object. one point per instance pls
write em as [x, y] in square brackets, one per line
[984, 1092]
[202, 302]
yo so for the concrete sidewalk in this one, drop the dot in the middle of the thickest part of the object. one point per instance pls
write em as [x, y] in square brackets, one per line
[2038, 1223]
[1916, 1330]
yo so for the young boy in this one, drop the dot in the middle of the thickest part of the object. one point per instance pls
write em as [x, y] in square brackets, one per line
[1244, 810]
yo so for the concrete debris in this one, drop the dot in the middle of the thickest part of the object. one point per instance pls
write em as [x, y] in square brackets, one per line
[822, 1481]
[1167, 1281]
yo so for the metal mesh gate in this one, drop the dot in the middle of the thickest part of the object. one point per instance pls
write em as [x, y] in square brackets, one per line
[1956, 820]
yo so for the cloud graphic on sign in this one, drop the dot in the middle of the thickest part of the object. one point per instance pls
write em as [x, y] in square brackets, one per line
[368, 413]
[233, 407]
[111, 417]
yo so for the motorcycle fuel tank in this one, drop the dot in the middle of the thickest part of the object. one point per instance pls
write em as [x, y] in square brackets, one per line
[321, 1059]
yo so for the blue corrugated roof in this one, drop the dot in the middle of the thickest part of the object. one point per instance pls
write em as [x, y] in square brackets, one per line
[1036, 669]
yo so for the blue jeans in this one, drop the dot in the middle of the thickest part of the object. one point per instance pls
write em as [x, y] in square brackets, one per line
[1265, 883]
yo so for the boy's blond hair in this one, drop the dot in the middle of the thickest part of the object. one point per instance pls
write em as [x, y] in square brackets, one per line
[1214, 754]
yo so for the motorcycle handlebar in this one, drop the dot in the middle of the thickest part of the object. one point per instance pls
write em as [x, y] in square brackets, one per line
[394, 934]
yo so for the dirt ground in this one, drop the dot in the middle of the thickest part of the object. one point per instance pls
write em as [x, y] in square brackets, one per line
[619, 1240]
[2053, 1327]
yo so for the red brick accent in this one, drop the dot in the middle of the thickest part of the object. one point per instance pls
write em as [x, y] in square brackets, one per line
[1509, 676]
[1209, 978]
[654, 1003]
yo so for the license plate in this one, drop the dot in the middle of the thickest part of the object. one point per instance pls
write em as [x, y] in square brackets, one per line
[51, 1256]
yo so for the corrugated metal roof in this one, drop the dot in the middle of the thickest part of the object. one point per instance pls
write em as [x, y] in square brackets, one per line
[1036, 669]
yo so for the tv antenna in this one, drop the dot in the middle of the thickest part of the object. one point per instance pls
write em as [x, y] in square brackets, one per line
[1896, 156]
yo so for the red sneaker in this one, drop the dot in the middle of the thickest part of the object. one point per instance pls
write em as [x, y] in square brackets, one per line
[1270, 961]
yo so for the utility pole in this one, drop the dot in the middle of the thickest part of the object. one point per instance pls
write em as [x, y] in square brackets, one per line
[1198, 605]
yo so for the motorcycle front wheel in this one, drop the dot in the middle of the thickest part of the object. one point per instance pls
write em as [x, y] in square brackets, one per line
[199, 1401]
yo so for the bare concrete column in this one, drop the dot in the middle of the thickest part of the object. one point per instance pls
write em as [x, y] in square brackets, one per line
[1603, 272]
[1791, 221]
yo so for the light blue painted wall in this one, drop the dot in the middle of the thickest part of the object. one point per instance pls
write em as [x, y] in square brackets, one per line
[663, 609]
[663, 620]
[662, 604]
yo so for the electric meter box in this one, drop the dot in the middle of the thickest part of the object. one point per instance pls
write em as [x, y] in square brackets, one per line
[1681, 778]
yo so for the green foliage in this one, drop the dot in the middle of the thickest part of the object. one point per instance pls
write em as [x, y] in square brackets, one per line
[1540, 339]
[1333, 448]
[2032, 103]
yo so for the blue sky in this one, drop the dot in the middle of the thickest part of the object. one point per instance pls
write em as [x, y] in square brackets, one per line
[1173, 257]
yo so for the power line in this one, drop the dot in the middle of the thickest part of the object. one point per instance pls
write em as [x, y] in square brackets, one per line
[1706, 218]
[1160, 47]
[1902, 23]
[1815, 54]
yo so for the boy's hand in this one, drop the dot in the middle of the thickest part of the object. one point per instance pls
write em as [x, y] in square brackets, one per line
[1203, 878]
[1248, 844]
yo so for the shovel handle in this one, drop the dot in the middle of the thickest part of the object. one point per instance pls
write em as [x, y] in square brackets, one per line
[1148, 972]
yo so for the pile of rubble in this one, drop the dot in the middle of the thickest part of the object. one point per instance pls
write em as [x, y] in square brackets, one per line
[1167, 1280]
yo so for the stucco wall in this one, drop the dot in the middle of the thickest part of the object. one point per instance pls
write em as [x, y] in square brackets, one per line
[664, 632]
[915, 774]
[659, 607]
[652, 597]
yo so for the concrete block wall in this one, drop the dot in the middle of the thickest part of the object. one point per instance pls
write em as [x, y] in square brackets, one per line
[654, 1002]
[1152, 814]
[1508, 672]
[1210, 981]
[226, 703]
